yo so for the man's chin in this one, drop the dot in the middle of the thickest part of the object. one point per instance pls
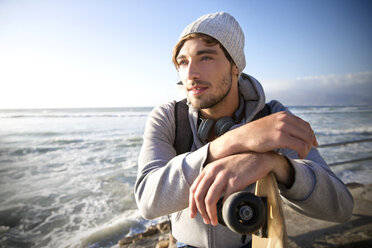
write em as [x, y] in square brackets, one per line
[195, 104]
[199, 103]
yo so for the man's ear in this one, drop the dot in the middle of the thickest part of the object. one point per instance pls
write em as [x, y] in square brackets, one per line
[235, 70]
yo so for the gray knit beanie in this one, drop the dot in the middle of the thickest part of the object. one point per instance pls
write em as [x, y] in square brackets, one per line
[224, 28]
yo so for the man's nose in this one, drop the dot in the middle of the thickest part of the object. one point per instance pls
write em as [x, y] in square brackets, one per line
[193, 71]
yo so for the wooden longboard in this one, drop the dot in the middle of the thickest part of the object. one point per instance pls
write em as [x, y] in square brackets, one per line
[275, 235]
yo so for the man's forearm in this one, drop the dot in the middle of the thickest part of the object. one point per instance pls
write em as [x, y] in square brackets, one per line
[279, 130]
[223, 146]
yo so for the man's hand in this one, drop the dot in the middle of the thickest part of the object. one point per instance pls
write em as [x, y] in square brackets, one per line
[231, 174]
[243, 155]
[279, 130]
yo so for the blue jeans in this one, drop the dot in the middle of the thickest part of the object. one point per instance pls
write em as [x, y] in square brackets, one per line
[182, 245]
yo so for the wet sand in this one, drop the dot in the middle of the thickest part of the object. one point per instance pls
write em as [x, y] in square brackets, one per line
[302, 231]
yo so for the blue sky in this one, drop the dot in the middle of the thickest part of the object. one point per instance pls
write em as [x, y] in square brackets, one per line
[118, 53]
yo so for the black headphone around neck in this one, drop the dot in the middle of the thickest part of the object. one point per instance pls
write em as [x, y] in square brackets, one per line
[222, 125]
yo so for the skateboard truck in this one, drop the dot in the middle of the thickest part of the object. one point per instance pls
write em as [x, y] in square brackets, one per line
[262, 231]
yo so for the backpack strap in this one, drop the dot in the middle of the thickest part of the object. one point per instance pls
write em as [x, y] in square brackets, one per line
[184, 138]
[262, 113]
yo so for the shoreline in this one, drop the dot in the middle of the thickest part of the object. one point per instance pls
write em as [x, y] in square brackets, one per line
[304, 232]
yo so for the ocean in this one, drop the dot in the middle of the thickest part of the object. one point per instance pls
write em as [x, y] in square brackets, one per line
[67, 175]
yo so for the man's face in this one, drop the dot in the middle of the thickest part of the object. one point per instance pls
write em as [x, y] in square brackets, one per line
[205, 73]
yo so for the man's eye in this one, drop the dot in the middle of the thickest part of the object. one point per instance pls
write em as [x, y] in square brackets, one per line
[182, 62]
[206, 58]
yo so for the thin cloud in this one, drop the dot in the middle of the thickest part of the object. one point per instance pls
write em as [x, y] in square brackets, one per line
[352, 88]
[338, 80]
[358, 82]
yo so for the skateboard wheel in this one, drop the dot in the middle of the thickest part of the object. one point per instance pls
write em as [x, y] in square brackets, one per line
[244, 212]
[219, 212]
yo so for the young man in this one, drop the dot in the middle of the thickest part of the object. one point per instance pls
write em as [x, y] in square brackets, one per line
[209, 58]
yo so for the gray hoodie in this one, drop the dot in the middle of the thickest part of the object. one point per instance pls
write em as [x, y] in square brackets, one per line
[164, 179]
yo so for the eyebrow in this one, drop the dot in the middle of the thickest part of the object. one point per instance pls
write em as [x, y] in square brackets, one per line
[200, 52]
[208, 51]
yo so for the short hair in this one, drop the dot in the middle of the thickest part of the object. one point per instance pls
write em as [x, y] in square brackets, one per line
[208, 40]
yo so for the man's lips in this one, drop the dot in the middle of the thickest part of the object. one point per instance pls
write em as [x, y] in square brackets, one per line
[197, 90]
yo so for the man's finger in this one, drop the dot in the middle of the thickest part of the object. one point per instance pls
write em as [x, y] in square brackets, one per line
[214, 193]
[298, 145]
[199, 197]
[298, 128]
[192, 204]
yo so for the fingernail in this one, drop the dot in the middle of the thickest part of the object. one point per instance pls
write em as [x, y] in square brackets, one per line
[192, 214]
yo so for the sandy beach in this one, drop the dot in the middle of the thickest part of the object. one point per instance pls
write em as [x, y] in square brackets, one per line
[302, 231]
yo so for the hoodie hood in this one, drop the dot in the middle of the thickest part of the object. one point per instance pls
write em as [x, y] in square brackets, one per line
[253, 95]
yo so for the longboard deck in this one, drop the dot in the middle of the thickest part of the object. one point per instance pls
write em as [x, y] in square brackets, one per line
[277, 233]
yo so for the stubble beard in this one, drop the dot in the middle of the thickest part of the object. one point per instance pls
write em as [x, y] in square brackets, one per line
[209, 101]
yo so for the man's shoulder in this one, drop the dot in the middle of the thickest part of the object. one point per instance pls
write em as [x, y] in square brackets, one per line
[276, 106]
[164, 109]
[160, 121]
